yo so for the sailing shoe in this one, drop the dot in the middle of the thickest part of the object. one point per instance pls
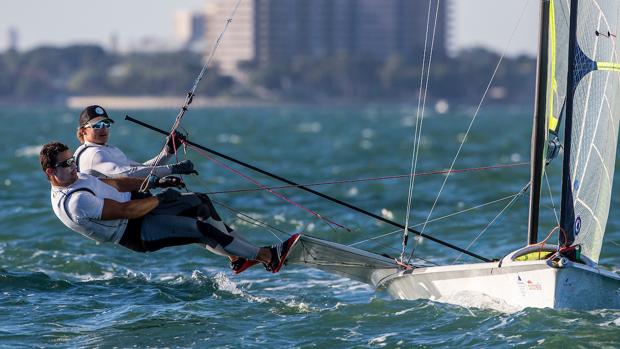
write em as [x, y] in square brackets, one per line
[279, 252]
[241, 264]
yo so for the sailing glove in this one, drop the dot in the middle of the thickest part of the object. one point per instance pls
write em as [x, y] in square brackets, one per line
[168, 195]
[165, 182]
[174, 141]
[184, 167]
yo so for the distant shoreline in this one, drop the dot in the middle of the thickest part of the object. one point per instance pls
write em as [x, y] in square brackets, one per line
[163, 102]
[201, 102]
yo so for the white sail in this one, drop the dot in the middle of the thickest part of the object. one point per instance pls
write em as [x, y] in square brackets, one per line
[594, 131]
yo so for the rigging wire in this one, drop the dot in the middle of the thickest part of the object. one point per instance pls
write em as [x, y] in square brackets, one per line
[329, 222]
[555, 212]
[508, 205]
[473, 119]
[420, 174]
[254, 221]
[190, 95]
[418, 123]
[246, 217]
[437, 219]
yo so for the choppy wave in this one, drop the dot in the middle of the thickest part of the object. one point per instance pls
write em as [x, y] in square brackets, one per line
[58, 289]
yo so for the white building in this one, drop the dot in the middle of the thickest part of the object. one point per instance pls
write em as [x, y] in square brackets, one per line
[190, 28]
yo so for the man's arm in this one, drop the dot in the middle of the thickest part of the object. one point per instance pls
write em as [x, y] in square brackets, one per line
[132, 169]
[124, 184]
[130, 209]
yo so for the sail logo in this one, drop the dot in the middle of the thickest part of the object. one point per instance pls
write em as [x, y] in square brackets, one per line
[577, 225]
[527, 285]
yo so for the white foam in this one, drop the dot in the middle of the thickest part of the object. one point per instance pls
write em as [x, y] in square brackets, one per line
[310, 127]
[229, 138]
[403, 312]
[300, 306]
[380, 341]
[387, 213]
[470, 299]
[279, 218]
[225, 284]
[29, 150]
[614, 323]
[353, 191]
[368, 133]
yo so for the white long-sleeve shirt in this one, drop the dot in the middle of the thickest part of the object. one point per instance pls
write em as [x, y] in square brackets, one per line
[79, 207]
[107, 161]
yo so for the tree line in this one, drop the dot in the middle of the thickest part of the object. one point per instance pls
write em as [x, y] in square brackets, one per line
[49, 74]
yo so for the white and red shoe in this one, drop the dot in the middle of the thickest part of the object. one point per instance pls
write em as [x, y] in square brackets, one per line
[279, 252]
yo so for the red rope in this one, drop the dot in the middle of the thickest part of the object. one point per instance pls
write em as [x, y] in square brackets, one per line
[266, 188]
[375, 178]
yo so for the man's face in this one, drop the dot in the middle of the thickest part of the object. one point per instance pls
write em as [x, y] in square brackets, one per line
[65, 172]
[97, 131]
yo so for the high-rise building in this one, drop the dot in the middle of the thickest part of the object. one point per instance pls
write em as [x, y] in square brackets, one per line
[114, 48]
[271, 31]
[12, 39]
[190, 27]
[239, 44]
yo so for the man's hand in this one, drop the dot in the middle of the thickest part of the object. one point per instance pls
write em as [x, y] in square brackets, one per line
[165, 182]
[184, 167]
[168, 195]
[174, 141]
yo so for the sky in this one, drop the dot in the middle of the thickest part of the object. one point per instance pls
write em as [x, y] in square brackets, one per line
[488, 23]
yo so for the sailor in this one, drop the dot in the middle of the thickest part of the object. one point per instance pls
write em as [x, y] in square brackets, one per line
[100, 159]
[112, 210]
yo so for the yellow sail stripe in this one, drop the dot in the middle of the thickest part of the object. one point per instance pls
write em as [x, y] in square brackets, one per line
[552, 90]
[609, 66]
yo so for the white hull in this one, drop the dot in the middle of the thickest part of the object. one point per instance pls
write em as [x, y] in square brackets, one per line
[507, 285]
[518, 285]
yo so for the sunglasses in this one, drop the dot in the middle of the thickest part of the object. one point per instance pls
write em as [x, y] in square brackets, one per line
[67, 163]
[99, 125]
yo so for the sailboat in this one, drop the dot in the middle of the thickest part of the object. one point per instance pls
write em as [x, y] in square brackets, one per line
[578, 79]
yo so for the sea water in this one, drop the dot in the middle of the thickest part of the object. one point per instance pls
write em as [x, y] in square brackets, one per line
[58, 289]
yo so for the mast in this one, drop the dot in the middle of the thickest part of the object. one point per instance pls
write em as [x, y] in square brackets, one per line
[567, 214]
[539, 128]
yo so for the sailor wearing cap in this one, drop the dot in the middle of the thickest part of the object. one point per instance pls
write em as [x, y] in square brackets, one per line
[100, 159]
